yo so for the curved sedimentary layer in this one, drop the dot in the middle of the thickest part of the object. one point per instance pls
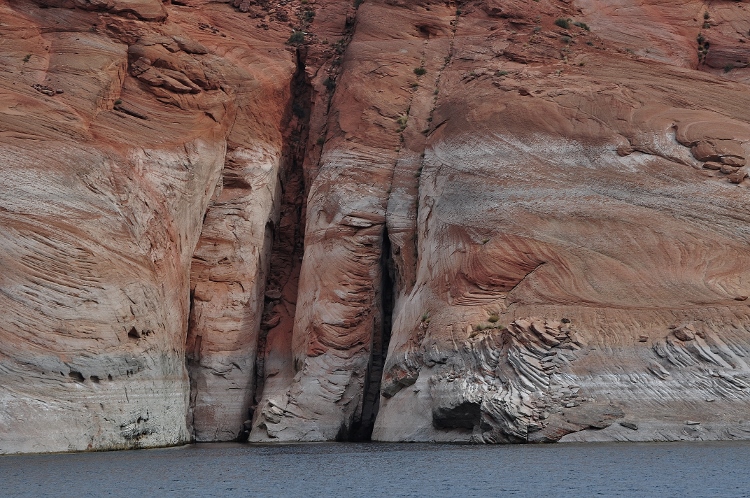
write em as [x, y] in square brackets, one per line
[480, 344]
[115, 125]
[487, 221]
[592, 196]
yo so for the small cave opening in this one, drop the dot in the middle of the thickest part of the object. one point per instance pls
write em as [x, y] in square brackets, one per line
[77, 376]
[427, 30]
[381, 337]
[465, 415]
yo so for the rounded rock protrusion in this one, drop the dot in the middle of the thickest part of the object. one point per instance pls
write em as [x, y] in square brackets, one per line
[685, 333]
[738, 176]
[735, 161]
[624, 150]
[728, 170]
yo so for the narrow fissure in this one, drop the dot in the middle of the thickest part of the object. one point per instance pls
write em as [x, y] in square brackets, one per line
[302, 158]
[192, 362]
[362, 430]
[332, 68]
[432, 127]
[288, 238]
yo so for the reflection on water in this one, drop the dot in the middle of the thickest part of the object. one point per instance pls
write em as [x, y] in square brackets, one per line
[377, 469]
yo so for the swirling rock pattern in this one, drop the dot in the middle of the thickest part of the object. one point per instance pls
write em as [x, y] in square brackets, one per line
[107, 180]
[540, 171]
[407, 221]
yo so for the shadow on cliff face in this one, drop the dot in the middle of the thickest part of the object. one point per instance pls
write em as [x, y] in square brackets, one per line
[228, 353]
[362, 429]
[280, 295]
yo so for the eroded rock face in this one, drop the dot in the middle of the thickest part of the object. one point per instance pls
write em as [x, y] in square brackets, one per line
[598, 228]
[228, 276]
[543, 177]
[107, 178]
[411, 221]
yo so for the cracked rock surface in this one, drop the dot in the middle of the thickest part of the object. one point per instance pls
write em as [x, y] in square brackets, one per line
[480, 221]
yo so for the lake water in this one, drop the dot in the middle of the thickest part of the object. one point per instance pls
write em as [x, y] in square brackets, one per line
[378, 469]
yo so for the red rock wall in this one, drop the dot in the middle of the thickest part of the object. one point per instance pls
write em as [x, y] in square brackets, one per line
[467, 165]
[116, 125]
[225, 220]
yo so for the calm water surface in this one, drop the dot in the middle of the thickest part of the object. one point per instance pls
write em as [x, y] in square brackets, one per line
[377, 469]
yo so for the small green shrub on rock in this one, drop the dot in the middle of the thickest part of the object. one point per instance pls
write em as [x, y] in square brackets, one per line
[296, 38]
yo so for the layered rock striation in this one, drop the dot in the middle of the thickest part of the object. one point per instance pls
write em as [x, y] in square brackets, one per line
[123, 133]
[407, 221]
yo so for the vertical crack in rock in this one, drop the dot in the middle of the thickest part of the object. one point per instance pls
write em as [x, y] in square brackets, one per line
[192, 362]
[228, 273]
[288, 244]
[315, 367]
[415, 151]
[230, 266]
[362, 431]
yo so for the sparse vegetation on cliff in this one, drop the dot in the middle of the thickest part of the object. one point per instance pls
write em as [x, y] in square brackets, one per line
[317, 228]
[296, 38]
[402, 121]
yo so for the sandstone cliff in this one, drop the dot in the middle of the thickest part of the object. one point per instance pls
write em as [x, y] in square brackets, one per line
[130, 130]
[299, 221]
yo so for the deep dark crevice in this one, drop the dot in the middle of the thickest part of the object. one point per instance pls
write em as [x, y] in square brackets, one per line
[381, 337]
[192, 359]
[288, 237]
[287, 232]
